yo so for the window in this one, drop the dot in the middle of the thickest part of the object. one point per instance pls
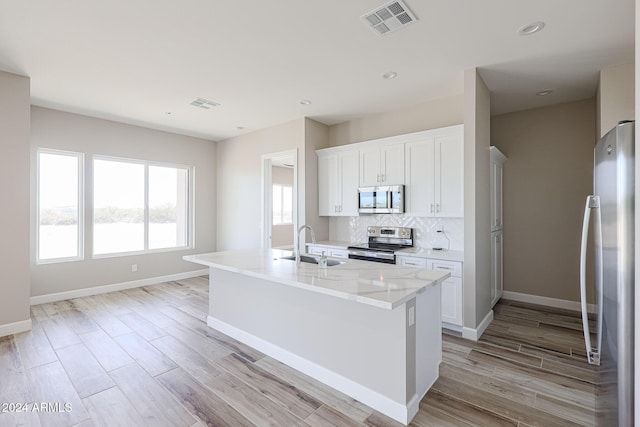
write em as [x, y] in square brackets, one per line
[282, 204]
[139, 206]
[59, 206]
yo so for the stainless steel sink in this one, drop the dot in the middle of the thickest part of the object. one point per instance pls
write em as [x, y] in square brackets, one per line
[312, 260]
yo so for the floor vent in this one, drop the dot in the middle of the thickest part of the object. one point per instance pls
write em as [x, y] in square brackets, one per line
[204, 103]
[389, 17]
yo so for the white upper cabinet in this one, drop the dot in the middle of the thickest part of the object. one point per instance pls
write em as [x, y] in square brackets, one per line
[338, 183]
[382, 165]
[430, 164]
[497, 164]
[435, 175]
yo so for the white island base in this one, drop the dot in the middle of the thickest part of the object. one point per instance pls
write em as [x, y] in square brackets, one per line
[385, 358]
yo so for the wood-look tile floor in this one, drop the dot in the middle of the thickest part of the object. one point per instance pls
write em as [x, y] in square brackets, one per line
[146, 357]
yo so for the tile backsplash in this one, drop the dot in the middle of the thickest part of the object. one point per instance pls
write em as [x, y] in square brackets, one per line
[354, 229]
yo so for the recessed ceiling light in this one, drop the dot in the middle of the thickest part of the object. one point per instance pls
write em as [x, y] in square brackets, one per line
[531, 28]
[544, 92]
[390, 75]
[305, 102]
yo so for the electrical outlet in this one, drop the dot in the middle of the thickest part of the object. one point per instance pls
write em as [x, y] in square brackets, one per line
[134, 268]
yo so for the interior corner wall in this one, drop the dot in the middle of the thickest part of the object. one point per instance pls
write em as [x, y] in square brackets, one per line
[239, 181]
[548, 175]
[616, 97]
[14, 184]
[427, 115]
[316, 137]
[91, 136]
[476, 274]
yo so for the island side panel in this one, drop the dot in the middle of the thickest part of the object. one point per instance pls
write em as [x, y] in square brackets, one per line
[428, 340]
[364, 344]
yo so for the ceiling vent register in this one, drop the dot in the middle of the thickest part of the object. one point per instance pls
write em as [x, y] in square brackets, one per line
[204, 103]
[389, 17]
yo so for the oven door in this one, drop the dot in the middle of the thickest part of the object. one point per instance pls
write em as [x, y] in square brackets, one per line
[373, 256]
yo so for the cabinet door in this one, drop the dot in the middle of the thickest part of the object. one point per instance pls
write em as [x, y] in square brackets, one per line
[419, 163]
[452, 301]
[370, 167]
[348, 177]
[496, 267]
[496, 196]
[327, 188]
[392, 164]
[451, 290]
[449, 177]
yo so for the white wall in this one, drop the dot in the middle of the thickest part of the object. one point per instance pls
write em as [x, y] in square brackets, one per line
[66, 131]
[14, 217]
[477, 273]
[427, 115]
[239, 180]
[615, 98]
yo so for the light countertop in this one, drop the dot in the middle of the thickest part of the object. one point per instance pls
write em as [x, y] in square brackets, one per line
[432, 254]
[382, 285]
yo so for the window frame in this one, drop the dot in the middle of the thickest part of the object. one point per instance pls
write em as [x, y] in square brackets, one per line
[80, 157]
[190, 206]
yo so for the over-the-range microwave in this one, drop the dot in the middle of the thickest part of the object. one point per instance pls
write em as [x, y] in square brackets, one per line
[383, 199]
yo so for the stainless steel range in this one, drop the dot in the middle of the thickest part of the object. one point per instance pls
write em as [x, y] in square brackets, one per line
[382, 244]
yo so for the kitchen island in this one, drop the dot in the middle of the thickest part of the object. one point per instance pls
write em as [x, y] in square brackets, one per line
[369, 330]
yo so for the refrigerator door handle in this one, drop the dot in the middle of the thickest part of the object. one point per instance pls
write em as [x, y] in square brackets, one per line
[593, 353]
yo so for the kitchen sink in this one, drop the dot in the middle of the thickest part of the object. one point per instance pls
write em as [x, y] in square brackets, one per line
[313, 260]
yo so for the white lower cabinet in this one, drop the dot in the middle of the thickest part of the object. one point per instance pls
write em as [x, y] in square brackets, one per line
[328, 251]
[496, 267]
[451, 288]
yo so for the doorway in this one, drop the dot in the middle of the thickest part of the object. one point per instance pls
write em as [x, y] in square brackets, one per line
[279, 199]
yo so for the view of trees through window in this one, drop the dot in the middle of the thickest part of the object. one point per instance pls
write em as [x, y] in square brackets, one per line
[59, 206]
[138, 206]
[120, 191]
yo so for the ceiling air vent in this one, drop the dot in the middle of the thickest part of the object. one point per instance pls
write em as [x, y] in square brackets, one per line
[389, 17]
[204, 103]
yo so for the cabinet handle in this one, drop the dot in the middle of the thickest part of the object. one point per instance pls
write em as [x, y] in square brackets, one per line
[437, 207]
[440, 267]
[431, 207]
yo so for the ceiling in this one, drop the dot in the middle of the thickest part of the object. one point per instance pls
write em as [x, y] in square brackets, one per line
[144, 61]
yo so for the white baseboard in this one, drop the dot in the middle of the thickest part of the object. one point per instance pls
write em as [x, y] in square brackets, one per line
[85, 292]
[475, 334]
[15, 328]
[369, 397]
[549, 302]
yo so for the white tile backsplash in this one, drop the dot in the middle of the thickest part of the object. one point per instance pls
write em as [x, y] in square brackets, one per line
[354, 229]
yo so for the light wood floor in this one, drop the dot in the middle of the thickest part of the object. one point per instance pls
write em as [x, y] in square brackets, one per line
[146, 357]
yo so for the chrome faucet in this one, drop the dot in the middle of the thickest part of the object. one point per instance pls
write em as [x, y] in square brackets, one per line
[313, 240]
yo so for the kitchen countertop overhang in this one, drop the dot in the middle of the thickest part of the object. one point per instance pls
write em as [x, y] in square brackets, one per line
[385, 286]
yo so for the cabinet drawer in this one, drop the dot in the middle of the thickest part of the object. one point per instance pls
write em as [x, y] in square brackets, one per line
[412, 262]
[453, 267]
[339, 253]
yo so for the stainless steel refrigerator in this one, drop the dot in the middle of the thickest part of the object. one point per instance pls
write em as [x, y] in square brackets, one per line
[609, 215]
